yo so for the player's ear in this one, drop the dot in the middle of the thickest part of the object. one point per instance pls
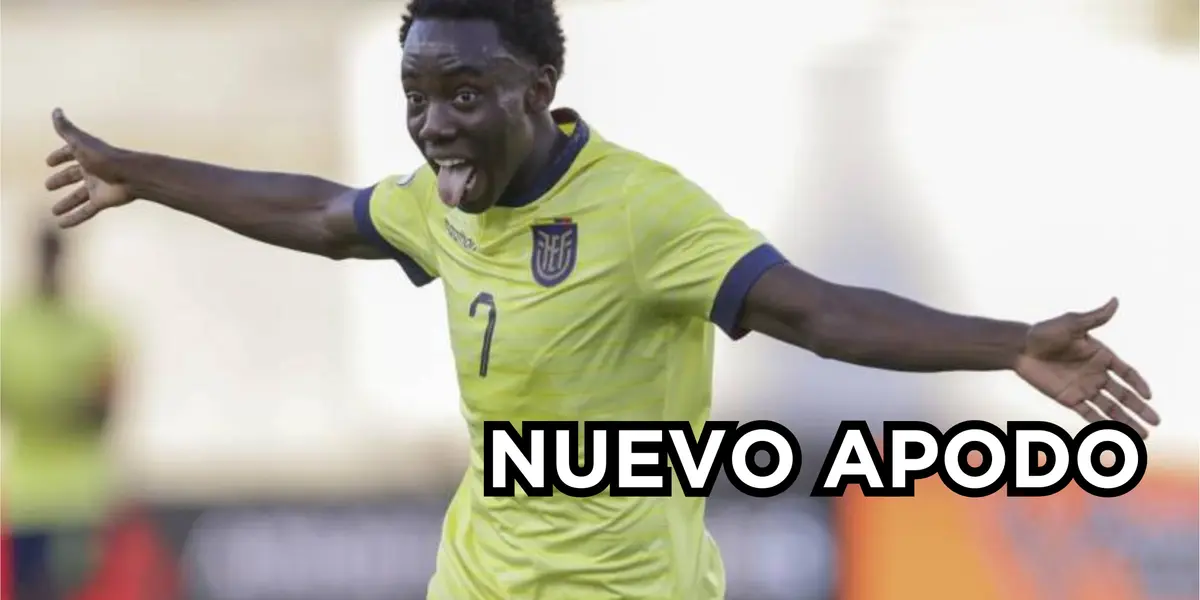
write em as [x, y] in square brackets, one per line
[541, 93]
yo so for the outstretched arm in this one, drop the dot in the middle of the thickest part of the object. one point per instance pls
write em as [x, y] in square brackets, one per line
[1058, 357]
[691, 258]
[877, 329]
[299, 212]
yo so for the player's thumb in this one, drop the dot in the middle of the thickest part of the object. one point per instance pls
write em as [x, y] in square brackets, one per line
[1096, 318]
[63, 126]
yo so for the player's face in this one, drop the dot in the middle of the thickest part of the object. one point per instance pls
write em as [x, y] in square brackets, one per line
[469, 108]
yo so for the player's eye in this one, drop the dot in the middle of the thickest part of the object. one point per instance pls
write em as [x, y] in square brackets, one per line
[415, 99]
[465, 97]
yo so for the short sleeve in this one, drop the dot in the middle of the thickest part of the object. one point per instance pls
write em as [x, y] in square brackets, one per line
[690, 255]
[391, 215]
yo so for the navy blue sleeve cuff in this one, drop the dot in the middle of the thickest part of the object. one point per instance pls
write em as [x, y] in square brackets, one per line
[727, 307]
[366, 228]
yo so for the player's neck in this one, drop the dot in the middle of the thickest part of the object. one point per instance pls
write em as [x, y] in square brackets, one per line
[548, 141]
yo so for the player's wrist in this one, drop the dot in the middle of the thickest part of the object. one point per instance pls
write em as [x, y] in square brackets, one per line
[1017, 342]
[124, 165]
[132, 170]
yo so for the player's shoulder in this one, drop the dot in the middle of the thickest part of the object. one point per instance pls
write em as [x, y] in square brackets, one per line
[406, 195]
[656, 195]
[417, 182]
[34, 314]
[641, 178]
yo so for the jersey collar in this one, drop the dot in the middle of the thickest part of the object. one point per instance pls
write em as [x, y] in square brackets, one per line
[557, 167]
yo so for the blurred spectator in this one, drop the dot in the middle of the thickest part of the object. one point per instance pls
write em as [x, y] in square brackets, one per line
[57, 368]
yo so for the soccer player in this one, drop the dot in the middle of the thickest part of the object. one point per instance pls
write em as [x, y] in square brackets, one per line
[58, 370]
[582, 280]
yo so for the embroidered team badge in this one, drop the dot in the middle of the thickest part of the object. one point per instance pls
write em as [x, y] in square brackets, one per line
[555, 244]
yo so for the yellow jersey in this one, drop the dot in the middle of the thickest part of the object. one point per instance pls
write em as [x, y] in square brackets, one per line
[591, 298]
[55, 362]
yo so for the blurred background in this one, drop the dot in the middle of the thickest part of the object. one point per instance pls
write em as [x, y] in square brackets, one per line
[245, 435]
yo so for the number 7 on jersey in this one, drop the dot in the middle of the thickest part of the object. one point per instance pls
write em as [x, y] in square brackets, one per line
[485, 299]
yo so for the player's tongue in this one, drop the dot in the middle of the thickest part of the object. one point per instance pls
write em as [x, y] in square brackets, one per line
[454, 182]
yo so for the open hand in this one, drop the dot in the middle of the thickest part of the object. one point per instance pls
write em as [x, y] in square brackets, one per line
[85, 158]
[1063, 361]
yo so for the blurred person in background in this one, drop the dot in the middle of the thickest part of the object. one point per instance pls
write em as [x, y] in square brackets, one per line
[480, 78]
[57, 372]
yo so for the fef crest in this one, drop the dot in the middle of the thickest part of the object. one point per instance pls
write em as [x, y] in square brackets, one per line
[555, 246]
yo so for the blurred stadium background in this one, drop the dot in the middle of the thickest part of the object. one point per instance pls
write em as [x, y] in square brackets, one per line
[288, 427]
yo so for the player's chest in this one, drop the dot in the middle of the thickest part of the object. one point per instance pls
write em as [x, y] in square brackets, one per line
[535, 294]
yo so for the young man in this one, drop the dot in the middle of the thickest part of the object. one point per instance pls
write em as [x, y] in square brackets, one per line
[57, 372]
[581, 279]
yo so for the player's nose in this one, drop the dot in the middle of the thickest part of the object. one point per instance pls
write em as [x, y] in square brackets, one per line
[438, 127]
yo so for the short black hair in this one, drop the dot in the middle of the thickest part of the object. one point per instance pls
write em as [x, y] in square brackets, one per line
[531, 27]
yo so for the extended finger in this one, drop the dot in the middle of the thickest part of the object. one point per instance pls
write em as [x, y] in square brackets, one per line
[1130, 400]
[1116, 413]
[1091, 320]
[60, 156]
[85, 212]
[70, 201]
[1129, 375]
[1086, 411]
[68, 176]
[62, 125]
